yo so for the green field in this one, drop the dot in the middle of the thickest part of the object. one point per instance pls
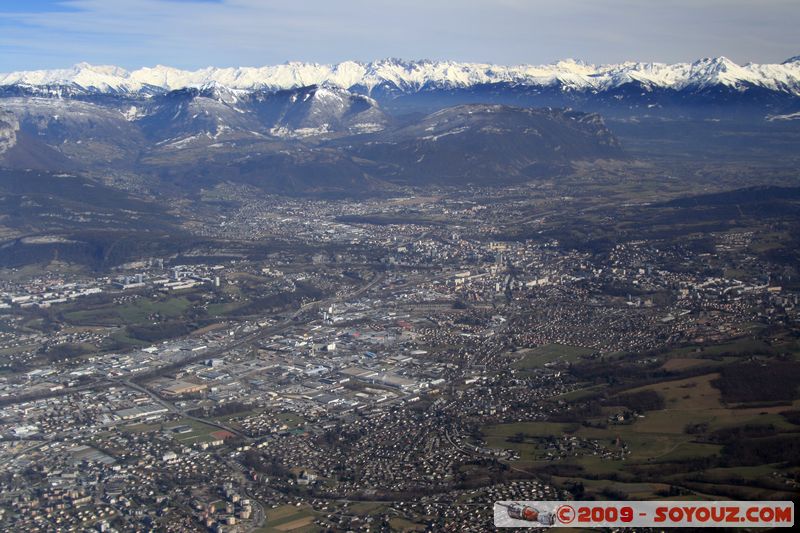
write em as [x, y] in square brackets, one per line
[200, 432]
[224, 419]
[744, 346]
[134, 312]
[222, 309]
[401, 524]
[580, 394]
[497, 436]
[696, 400]
[121, 340]
[537, 429]
[293, 420]
[140, 428]
[367, 508]
[538, 357]
[656, 440]
[289, 518]
[644, 445]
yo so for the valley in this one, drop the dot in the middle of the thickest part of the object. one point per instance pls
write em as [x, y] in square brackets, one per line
[278, 305]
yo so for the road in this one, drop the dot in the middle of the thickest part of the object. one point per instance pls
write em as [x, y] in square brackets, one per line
[173, 409]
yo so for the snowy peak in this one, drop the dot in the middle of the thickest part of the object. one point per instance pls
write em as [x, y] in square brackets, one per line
[214, 110]
[319, 109]
[99, 77]
[414, 76]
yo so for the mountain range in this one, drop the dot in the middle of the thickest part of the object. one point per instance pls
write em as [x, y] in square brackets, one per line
[98, 155]
[313, 139]
[415, 76]
[709, 87]
[355, 127]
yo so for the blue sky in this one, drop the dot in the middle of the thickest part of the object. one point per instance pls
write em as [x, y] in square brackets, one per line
[196, 33]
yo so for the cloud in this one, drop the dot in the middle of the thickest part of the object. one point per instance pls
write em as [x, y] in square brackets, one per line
[196, 33]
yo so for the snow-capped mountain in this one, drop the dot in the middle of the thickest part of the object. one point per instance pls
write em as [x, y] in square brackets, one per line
[301, 126]
[312, 138]
[205, 115]
[414, 76]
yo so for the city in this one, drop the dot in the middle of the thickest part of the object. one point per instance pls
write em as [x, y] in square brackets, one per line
[363, 366]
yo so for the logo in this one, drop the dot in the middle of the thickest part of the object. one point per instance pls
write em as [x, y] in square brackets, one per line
[565, 514]
[651, 514]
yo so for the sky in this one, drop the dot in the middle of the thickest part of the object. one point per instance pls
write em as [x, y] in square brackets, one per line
[191, 34]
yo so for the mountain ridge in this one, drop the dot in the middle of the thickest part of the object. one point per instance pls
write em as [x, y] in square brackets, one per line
[415, 76]
[308, 140]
